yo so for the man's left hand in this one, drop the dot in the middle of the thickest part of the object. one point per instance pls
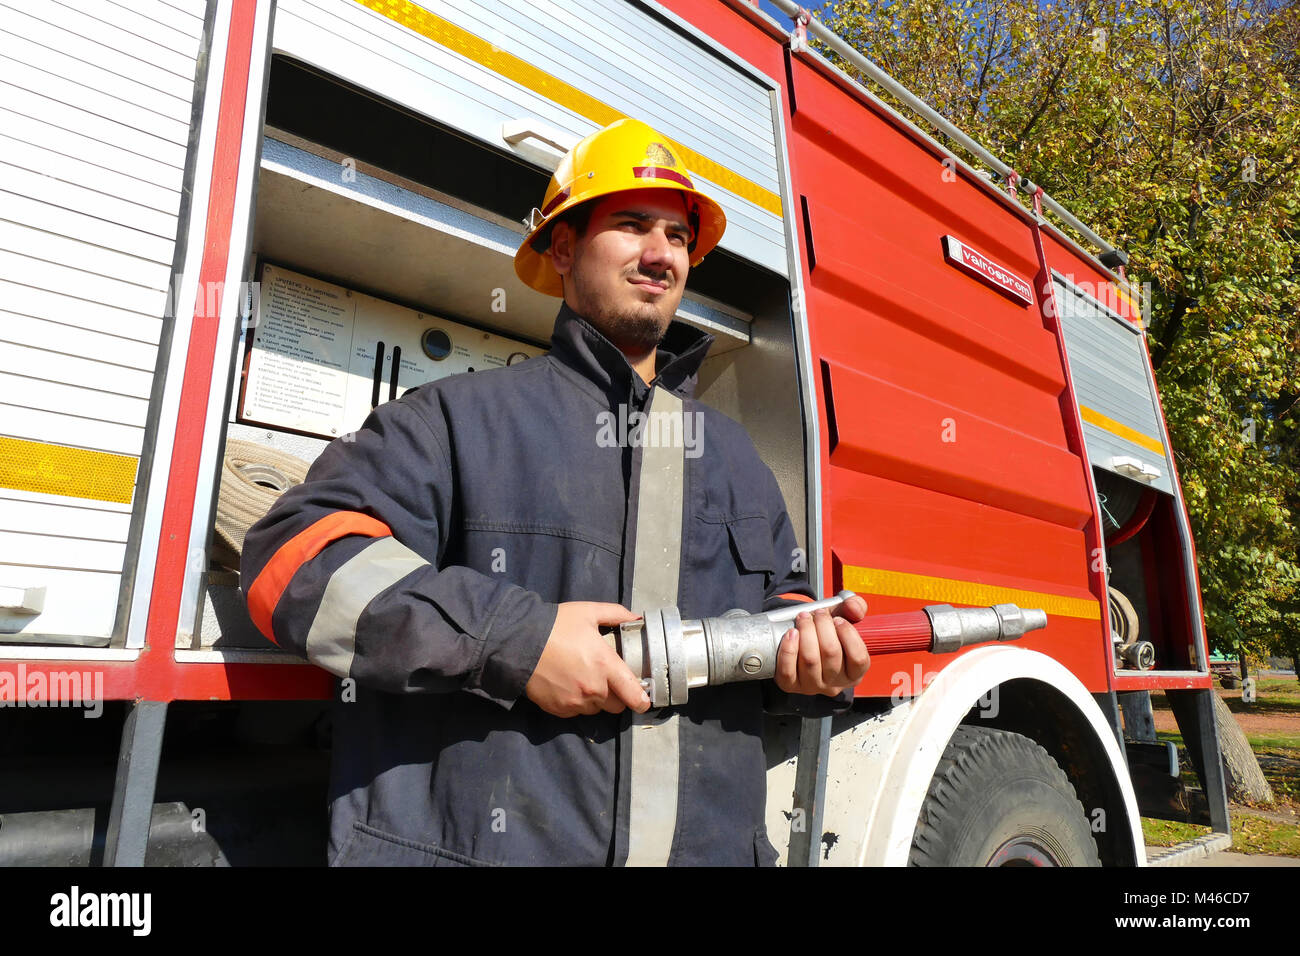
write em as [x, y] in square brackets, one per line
[823, 653]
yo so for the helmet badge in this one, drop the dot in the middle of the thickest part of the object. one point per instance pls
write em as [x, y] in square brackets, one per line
[657, 154]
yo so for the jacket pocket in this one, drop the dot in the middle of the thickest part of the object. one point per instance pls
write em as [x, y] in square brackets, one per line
[751, 540]
[728, 563]
[751, 545]
[370, 847]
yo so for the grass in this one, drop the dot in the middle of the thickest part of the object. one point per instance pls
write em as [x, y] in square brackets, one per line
[1283, 778]
[1253, 830]
[1274, 696]
[1250, 834]
[1282, 689]
[1258, 743]
[1168, 832]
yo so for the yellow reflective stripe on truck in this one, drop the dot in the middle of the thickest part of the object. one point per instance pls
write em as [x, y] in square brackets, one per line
[1093, 417]
[924, 587]
[60, 470]
[1134, 313]
[459, 40]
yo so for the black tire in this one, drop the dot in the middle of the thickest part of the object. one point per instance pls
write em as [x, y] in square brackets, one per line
[1229, 683]
[999, 799]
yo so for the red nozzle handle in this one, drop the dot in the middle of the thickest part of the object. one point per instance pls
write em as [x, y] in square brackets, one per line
[896, 633]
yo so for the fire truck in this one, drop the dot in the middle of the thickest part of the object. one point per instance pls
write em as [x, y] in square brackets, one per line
[230, 228]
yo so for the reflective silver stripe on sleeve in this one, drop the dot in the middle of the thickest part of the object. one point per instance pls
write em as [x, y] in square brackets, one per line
[656, 760]
[332, 640]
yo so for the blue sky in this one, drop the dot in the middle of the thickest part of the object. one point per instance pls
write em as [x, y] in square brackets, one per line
[773, 12]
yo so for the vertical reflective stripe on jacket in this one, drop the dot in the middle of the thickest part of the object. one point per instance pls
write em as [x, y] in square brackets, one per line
[656, 761]
[264, 592]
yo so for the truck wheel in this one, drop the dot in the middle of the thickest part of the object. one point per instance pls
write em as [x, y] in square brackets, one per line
[999, 799]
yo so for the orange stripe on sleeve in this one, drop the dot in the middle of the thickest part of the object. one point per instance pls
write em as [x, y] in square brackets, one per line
[264, 593]
[794, 597]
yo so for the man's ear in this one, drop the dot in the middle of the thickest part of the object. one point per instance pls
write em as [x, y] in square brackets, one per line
[563, 241]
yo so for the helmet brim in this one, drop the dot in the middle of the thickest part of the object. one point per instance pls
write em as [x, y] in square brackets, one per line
[536, 270]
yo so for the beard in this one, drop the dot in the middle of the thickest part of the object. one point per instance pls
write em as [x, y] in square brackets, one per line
[635, 329]
[634, 332]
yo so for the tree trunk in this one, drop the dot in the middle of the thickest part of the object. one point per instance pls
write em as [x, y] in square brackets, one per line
[1139, 722]
[1244, 779]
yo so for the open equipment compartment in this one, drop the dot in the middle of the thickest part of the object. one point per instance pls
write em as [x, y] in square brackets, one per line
[361, 200]
[1145, 543]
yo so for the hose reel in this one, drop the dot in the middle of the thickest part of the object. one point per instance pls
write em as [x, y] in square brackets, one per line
[253, 476]
[1129, 651]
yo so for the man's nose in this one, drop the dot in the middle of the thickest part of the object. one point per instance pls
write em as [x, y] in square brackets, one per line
[657, 250]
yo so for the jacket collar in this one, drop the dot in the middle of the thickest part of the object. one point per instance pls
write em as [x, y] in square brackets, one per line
[578, 345]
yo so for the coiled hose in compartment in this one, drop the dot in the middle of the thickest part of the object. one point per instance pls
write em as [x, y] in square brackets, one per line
[253, 476]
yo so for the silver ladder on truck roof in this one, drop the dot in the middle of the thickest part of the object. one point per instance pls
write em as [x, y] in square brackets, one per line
[1109, 253]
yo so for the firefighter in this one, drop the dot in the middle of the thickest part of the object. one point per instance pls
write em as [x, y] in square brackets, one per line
[453, 561]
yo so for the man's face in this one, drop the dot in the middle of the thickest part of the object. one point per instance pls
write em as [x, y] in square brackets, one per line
[627, 271]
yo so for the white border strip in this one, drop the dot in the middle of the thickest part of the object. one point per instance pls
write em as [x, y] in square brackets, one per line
[196, 242]
[187, 623]
[237, 655]
[48, 652]
[808, 370]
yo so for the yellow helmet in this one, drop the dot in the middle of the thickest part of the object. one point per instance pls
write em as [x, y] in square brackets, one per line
[625, 155]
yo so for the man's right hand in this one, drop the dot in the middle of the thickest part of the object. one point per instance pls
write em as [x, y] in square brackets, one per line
[579, 672]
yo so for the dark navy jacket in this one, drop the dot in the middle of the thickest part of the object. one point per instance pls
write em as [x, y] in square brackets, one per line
[497, 478]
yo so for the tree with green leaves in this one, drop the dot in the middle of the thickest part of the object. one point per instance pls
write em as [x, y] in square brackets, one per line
[1173, 130]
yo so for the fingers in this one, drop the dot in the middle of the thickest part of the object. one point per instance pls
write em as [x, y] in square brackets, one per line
[857, 659]
[624, 688]
[626, 691]
[787, 662]
[832, 657]
[810, 652]
[579, 672]
[822, 654]
[853, 610]
[799, 659]
[602, 613]
[612, 692]
[820, 657]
